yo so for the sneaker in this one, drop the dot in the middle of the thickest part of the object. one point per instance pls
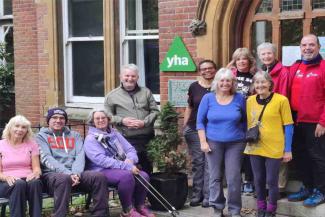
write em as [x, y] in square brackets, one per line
[302, 194]
[145, 212]
[195, 202]
[248, 188]
[270, 214]
[132, 213]
[260, 213]
[315, 199]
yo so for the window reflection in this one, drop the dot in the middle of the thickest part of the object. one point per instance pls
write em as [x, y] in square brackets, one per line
[291, 32]
[318, 4]
[265, 6]
[318, 26]
[291, 5]
[261, 32]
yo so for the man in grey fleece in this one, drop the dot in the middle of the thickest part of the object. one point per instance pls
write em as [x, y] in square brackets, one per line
[134, 111]
[63, 162]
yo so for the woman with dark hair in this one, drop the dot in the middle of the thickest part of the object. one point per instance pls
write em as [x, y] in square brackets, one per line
[200, 189]
[110, 153]
[20, 169]
[274, 145]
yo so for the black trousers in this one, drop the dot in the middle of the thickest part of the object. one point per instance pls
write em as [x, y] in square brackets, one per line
[309, 156]
[59, 186]
[140, 143]
[21, 192]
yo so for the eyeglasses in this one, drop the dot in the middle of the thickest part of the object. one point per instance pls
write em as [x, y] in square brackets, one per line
[208, 68]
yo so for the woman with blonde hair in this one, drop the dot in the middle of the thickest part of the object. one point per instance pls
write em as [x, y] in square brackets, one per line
[19, 176]
[221, 124]
[243, 65]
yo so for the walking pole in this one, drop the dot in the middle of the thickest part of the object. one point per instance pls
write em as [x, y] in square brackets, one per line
[165, 202]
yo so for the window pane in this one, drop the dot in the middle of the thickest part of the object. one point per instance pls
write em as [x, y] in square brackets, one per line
[291, 5]
[85, 18]
[291, 32]
[7, 7]
[265, 6]
[151, 61]
[318, 26]
[261, 32]
[88, 68]
[318, 4]
[9, 40]
[150, 58]
[141, 14]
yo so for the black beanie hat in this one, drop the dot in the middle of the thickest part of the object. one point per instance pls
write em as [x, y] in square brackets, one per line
[56, 111]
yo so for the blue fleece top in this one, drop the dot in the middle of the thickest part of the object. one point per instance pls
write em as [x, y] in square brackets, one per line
[222, 123]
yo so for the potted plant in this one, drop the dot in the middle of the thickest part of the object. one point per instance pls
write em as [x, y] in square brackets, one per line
[170, 180]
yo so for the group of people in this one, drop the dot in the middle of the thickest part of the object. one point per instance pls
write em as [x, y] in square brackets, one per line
[286, 103]
[58, 161]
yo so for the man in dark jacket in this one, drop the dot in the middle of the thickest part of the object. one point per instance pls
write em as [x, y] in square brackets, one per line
[307, 99]
[63, 162]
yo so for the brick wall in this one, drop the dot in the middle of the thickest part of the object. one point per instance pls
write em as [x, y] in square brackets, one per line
[26, 60]
[31, 58]
[174, 18]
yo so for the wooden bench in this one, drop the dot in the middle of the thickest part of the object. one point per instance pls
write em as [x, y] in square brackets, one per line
[4, 201]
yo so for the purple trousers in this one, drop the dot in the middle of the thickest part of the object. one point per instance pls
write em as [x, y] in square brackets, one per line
[130, 191]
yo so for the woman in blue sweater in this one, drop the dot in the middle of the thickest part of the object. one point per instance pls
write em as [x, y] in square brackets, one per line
[221, 125]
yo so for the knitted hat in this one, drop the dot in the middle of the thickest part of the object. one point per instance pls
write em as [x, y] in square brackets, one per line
[56, 111]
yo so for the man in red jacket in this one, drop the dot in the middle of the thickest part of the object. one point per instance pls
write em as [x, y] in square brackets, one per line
[307, 98]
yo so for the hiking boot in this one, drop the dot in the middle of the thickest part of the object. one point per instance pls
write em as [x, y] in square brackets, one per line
[132, 213]
[302, 194]
[260, 213]
[145, 211]
[315, 199]
[248, 188]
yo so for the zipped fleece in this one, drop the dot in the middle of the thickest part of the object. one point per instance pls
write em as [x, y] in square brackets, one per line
[100, 158]
[141, 105]
[61, 153]
[311, 104]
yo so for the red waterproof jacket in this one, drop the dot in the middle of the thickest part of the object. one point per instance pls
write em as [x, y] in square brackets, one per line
[280, 75]
[311, 104]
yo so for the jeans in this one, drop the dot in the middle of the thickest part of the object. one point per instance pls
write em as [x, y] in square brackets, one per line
[230, 155]
[200, 169]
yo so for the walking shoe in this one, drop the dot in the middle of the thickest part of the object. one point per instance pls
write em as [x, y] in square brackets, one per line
[205, 203]
[248, 188]
[145, 211]
[302, 194]
[270, 214]
[195, 202]
[132, 213]
[260, 213]
[315, 199]
[217, 212]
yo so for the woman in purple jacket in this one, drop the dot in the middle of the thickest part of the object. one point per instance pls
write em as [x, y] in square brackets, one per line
[109, 152]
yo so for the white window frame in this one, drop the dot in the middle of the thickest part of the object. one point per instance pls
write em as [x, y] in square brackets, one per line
[127, 35]
[2, 16]
[70, 99]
